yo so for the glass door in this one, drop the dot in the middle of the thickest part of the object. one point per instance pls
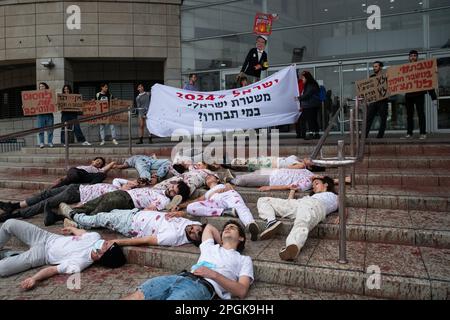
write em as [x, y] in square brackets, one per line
[228, 79]
[441, 116]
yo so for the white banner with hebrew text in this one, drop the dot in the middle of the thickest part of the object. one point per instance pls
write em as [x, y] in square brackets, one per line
[269, 102]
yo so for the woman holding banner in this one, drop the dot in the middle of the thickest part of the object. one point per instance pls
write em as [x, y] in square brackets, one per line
[45, 120]
[67, 116]
[103, 95]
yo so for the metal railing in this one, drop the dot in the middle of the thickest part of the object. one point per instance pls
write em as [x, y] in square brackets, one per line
[70, 123]
[11, 145]
[357, 145]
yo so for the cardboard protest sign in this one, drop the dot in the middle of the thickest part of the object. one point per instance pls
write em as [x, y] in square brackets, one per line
[37, 102]
[95, 107]
[373, 89]
[413, 77]
[117, 104]
[70, 102]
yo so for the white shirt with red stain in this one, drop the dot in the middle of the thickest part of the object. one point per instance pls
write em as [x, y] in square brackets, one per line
[167, 232]
[144, 197]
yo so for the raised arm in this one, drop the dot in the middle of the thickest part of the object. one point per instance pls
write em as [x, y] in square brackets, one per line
[109, 166]
[211, 232]
[30, 283]
[73, 230]
[273, 188]
[149, 241]
[121, 166]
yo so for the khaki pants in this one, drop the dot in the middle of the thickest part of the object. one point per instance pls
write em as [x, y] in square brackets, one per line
[307, 212]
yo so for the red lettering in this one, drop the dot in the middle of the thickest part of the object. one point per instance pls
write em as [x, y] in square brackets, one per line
[190, 97]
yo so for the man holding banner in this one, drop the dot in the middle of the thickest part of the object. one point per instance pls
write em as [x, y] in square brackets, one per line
[378, 107]
[417, 99]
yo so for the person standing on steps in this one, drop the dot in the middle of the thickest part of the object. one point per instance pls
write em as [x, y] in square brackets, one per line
[105, 95]
[379, 107]
[309, 104]
[417, 99]
[45, 120]
[255, 62]
[68, 116]
[142, 105]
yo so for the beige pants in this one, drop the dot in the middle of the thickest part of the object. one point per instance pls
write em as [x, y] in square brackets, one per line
[307, 212]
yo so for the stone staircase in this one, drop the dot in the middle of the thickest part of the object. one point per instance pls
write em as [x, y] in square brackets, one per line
[398, 220]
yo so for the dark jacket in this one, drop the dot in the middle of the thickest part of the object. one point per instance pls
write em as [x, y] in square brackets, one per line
[251, 61]
[310, 97]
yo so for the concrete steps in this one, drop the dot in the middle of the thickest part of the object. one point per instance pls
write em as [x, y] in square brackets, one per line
[407, 272]
[398, 220]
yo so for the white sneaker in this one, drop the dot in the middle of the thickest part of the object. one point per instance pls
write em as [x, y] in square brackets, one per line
[85, 143]
[41, 145]
[115, 142]
[51, 145]
[102, 143]
[423, 137]
[408, 136]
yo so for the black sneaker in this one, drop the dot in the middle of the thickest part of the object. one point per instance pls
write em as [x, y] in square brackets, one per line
[49, 216]
[9, 206]
[230, 212]
[271, 230]
[254, 231]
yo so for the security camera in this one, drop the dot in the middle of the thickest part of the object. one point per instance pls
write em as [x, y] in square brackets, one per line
[48, 63]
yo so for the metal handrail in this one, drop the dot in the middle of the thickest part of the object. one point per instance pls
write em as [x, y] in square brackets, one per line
[66, 125]
[341, 162]
[62, 124]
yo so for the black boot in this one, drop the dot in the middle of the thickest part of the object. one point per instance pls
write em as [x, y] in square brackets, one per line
[49, 216]
[141, 140]
[8, 215]
[150, 139]
[9, 206]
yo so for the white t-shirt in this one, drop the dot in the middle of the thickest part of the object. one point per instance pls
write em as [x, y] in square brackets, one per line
[283, 163]
[71, 253]
[330, 200]
[210, 191]
[167, 232]
[286, 177]
[91, 169]
[92, 191]
[144, 197]
[229, 263]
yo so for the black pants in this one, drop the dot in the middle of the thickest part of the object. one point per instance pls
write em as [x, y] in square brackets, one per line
[380, 108]
[419, 102]
[80, 176]
[118, 199]
[68, 194]
[67, 116]
[308, 117]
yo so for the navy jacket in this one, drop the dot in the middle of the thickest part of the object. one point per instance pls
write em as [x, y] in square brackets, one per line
[310, 97]
[251, 61]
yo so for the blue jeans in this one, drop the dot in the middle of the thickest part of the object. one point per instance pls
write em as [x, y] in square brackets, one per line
[115, 220]
[45, 120]
[102, 131]
[67, 116]
[144, 167]
[174, 287]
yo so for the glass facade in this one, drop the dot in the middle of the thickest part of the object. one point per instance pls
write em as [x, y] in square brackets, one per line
[328, 37]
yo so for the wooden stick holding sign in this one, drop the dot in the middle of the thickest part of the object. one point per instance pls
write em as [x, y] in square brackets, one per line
[37, 102]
